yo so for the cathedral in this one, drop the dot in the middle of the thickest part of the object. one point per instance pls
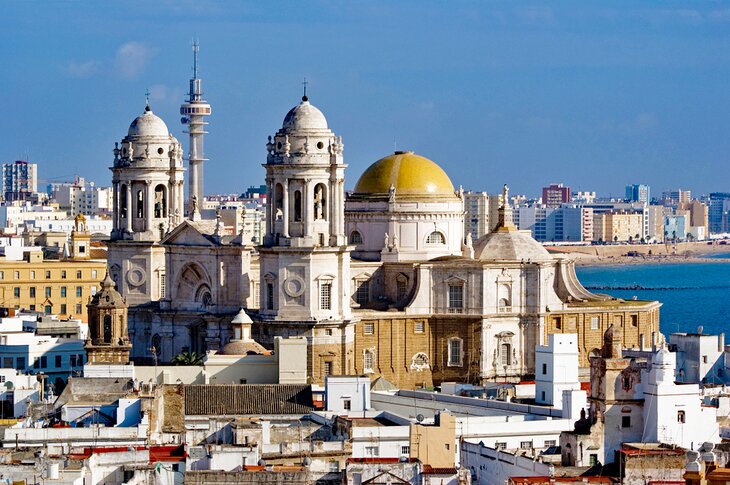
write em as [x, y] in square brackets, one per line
[382, 281]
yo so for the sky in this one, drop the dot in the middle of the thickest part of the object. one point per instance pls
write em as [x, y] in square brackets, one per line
[595, 95]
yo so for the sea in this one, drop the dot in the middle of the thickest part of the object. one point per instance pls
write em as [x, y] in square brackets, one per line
[693, 294]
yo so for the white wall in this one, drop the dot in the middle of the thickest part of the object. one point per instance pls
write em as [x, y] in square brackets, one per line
[355, 390]
[491, 467]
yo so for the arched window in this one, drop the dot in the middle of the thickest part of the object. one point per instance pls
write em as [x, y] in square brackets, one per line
[368, 361]
[278, 197]
[156, 345]
[160, 201]
[505, 354]
[107, 329]
[355, 237]
[140, 204]
[123, 200]
[436, 237]
[419, 362]
[401, 287]
[320, 201]
[504, 295]
[297, 206]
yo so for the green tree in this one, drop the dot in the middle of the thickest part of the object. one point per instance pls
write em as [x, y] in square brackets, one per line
[187, 358]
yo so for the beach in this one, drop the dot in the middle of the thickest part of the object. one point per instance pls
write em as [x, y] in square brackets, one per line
[615, 254]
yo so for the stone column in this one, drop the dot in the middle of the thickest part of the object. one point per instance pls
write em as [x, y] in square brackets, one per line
[171, 199]
[269, 208]
[285, 207]
[128, 223]
[115, 207]
[306, 211]
[149, 205]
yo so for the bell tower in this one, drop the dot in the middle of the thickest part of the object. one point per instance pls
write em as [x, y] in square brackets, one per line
[108, 341]
[305, 259]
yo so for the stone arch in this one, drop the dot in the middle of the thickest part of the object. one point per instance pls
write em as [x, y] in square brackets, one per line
[189, 283]
[160, 206]
[320, 201]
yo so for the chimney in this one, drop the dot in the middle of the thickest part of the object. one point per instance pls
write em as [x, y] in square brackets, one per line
[721, 342]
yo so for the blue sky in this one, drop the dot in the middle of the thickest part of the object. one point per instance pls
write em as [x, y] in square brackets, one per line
[595, 95]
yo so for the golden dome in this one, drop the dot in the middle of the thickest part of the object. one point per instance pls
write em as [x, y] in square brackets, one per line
[408, 173]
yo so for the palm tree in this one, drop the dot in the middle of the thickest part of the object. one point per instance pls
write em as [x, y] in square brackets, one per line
[187, 358]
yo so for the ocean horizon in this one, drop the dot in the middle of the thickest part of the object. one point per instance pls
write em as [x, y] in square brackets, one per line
[692, 294]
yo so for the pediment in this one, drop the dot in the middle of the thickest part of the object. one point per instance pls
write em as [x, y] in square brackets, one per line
[186, 235]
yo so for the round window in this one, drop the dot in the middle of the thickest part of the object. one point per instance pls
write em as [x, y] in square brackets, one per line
[160, 150]
[320, 145]
[124, 152]
[278, 145]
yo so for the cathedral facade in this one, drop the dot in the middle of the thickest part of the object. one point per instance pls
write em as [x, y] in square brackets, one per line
[382, 281]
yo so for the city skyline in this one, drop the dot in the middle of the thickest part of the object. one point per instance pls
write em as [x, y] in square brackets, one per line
[636, 90]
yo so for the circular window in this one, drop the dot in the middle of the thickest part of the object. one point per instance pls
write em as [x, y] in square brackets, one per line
[160, 150]
[294, 286]
[124, 151]
[136, 276]
[320, 145]
[278, 145]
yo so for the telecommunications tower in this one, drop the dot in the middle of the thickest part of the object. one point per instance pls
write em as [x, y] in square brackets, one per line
[194, 111]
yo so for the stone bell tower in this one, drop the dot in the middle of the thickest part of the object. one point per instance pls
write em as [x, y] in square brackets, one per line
[305, 259]
[108, 341]
[148, 195]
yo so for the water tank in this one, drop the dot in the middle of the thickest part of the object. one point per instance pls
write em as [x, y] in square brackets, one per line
[52, 471]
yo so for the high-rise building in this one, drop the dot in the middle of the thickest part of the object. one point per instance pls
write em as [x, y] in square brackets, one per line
[481, 213]
[677, 197]
[719, 212]
[20, 180]
[555, 194]
[618, 226]
[638, 193]
[565, 223]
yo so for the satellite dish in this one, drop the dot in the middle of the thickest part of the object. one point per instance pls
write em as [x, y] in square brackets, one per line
[420, 418]
[700, 328]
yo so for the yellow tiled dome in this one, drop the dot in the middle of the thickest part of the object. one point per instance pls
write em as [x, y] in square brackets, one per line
[410, 174]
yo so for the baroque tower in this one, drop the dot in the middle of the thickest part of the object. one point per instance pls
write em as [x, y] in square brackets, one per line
[108, 341]
[147, 182]
[305, 259]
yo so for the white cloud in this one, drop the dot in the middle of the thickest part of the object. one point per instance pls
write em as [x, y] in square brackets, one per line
[642, 123]
[161, 94]
[83, 69]
[131, 59]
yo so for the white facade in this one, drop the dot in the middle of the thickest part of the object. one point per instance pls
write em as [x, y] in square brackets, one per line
[556, 369]
[700, 358]
[22, 349]
[674, 413]
[305, 260]
[347, 394]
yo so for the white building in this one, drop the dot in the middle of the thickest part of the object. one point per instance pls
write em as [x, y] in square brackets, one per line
[347, 394]
[55, 357]
[674, 413]
[556, 369]
[700, 357]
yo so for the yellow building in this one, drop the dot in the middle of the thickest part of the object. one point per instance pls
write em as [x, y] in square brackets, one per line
[618, 226]
[62, 287]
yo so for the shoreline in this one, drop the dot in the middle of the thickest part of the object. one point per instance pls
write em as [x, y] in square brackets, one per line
[638, 260]
[614, 255]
